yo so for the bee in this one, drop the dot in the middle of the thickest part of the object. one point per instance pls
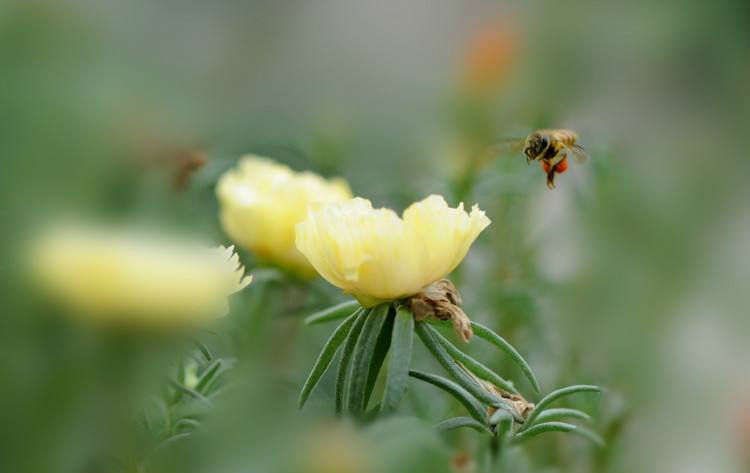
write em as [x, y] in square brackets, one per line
[551, 148]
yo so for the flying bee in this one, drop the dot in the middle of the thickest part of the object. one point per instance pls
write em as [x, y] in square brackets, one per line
[549, 147]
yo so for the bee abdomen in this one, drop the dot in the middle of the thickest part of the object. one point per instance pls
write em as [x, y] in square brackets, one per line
[551, 151]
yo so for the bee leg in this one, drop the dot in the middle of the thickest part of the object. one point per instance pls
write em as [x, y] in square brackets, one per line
[551, 177]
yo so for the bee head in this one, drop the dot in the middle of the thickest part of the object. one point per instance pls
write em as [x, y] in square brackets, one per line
[536, 145]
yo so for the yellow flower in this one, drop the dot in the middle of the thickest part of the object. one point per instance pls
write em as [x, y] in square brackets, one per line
[377, 256]
[261, 202]
[133, 279]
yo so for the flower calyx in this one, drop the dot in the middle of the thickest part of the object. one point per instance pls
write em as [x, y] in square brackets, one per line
[441, 301]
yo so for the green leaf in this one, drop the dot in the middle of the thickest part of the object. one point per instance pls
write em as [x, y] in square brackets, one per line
[208, 376]
[589, 435]
[562, 413]
[371, 413]
[504, 429]
[170, 440]
[560, 427]
[425, 333]
[342, 374]
[325, 357]
[378, 357]
[557, 394]
[459, 422]
[500, 416]
[398, 365]
[363, 353]
[542, 428]
[190, 392]
[473, 365]
[487, 334]
[476, 410]
[186, 424]
[338, 311]
[208, 389]
[203, 349]
[181, 371]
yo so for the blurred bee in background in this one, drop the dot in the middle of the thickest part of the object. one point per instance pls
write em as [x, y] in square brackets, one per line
[549, 147]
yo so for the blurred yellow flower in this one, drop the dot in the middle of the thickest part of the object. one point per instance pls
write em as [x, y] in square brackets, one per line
[261, 202]
[376, 256]
[133, 279]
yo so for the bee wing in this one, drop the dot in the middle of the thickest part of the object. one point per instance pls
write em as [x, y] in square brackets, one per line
[507, 147]
[580, 155]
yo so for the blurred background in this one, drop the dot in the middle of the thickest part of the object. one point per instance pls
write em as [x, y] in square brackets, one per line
[632, 274]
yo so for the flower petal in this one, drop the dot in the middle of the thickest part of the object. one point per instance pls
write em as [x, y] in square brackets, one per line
[376, 256]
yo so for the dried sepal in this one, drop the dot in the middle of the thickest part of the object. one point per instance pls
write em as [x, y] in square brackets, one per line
[441, 301]
[520, 405]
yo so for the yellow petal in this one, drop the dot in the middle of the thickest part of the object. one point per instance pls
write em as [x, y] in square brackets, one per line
[261, 201]
[136, 279]
[377, 256]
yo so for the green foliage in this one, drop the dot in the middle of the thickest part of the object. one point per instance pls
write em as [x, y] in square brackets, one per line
[460, 394]
[473, 365]
[354, 400]
[399, 362]
[543, 428]
[557, 394]
[369, 335]
[426, 334]
[333, 313]
[382, 346]
[562, 413]
[460, 422]
[326, 356]
[487, 334]
[342, 375]
[209, 376]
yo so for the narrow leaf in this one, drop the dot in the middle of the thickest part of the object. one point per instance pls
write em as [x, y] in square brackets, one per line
[203, 349]
[500, 416]
[399, 362]
[342, 374]
[371, 413]
[542, 428]
[459, 422]
[207, 376]
[487, 334]
[425, 333]
[562, 413]
[557, 394]
[476, 410]
[378, 357]
[504, 429]
[473, 365]
[190, 392]
[363, 353]
[589, 435]
[181, 372]
[325, 357]
[186, 423]
[338, 311]
[173, 439]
